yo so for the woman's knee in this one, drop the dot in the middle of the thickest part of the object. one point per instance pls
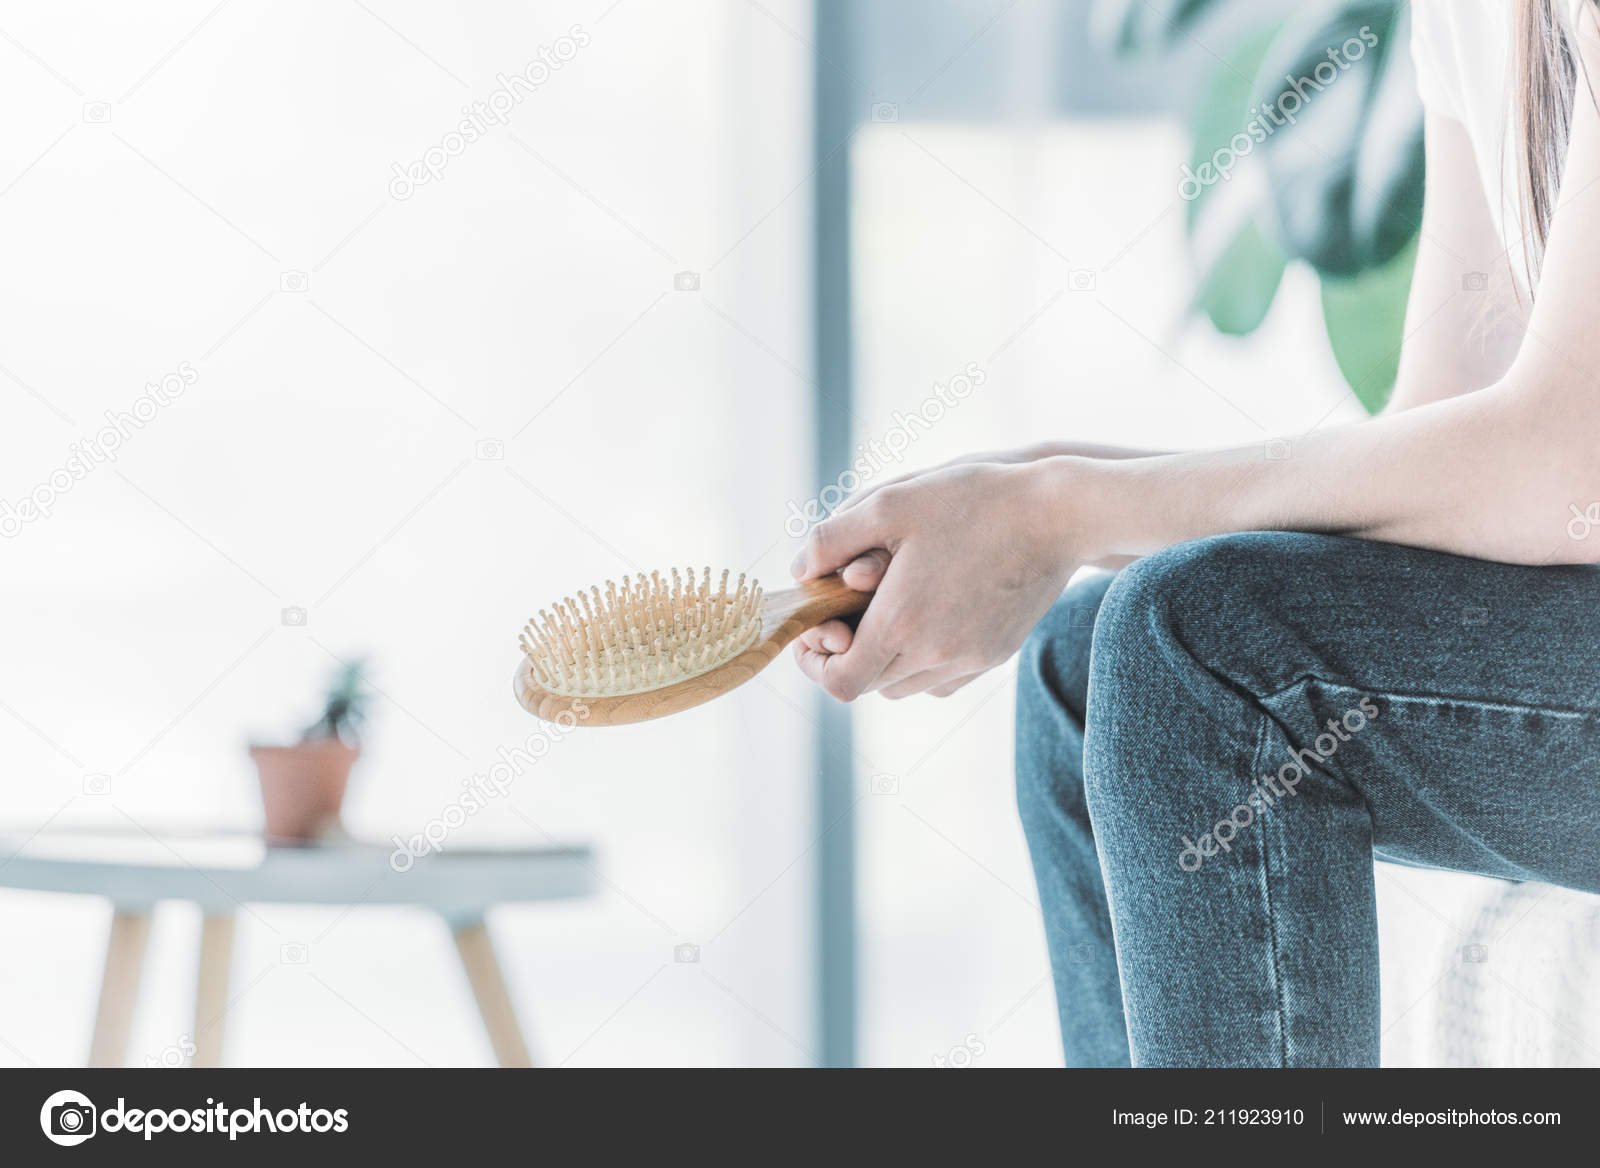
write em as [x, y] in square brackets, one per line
[1208, 601]
[1188, 641]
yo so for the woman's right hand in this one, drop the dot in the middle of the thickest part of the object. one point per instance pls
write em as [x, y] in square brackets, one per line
[1015, 455]
[865, 572]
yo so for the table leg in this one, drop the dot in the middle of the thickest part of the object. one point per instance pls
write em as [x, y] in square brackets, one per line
[119, 986]
[494, 1001]
[211, 989]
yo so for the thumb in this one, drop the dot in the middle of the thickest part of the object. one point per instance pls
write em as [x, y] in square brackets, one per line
[837, 540]
[865, 573]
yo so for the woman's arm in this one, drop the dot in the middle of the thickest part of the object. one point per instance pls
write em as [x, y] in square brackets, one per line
[1464, 320]
[1055, 449]
[1495, 474]
[978, 552]
[1458, 338]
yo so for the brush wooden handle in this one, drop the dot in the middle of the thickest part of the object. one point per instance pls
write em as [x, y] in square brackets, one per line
[784, 616]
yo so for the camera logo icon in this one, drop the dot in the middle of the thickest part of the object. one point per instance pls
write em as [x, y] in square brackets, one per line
[686, 953]
[1474, 615]
[67, 1118]
[1475, 954]
[97, 784]
[490, 450]
[96, 113]
[294, 616]
[1082, 953]
[294, 282]
[294, 953]
[686, 282]
[884, 784]
[1279, 449]
[1082, 279]
[1475, 281]
[885, 111]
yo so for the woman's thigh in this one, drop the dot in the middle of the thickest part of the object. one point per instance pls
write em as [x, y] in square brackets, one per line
[1267, 710]
[1460, 698]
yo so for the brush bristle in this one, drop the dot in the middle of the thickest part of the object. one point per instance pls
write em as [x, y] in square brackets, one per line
[647, 634]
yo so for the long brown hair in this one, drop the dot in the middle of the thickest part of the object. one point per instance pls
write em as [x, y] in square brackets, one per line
[1545, 77]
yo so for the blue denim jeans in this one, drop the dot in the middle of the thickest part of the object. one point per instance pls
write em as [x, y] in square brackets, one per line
[1214, 744]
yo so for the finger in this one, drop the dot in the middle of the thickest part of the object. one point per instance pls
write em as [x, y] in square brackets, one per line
[824, 668]
[926, 679]
[865, 493]
[811, 661]
[829, 637]
[865, 573]
[852, 673]
[837, 540]
[897, 671]
[807, 646]
[950, 687]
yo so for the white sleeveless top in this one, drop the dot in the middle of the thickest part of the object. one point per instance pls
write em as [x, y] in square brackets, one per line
[1464, 55]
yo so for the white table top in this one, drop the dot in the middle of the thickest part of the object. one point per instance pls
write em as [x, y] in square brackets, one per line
[220, 871]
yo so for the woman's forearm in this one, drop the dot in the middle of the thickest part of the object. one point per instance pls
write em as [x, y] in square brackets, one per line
[1497, 474]
[1053, 449]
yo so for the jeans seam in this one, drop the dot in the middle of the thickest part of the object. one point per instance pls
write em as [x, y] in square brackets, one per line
[1432, 698]
[1262, 734]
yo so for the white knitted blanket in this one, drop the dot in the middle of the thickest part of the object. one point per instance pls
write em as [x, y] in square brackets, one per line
[1486, 973]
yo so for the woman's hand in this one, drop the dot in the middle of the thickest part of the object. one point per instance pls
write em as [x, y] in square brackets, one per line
[1018, 454]
[965, 560]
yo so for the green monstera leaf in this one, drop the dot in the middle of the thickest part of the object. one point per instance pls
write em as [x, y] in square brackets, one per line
[1345, 166]
[1141, 26]
[1237, 287]
[1220, 115]
[1366, 317]
[1334, 177]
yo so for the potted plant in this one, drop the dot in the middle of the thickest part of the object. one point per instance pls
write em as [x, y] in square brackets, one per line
[302, 786]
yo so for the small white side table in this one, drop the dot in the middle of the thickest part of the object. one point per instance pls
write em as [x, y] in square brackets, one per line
[221, 872]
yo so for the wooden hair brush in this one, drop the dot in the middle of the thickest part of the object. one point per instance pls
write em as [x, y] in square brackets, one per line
[655, 645]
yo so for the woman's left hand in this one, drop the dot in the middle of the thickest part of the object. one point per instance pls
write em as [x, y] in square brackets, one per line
[976, 555]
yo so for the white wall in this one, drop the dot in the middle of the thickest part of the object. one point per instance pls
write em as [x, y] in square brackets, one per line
[969, 240]
[326, 457]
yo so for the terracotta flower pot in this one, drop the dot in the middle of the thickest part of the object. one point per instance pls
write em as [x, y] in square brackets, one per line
[302, 786]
